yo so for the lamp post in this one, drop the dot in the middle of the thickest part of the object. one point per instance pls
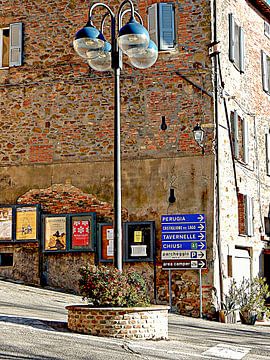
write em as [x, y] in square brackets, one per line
[133, 40]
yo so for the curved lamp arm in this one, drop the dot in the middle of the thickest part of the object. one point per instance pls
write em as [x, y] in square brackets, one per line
[119, 19]
[91, 9]
[135, 13]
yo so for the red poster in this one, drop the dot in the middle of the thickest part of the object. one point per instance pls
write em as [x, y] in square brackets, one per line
[80, 233]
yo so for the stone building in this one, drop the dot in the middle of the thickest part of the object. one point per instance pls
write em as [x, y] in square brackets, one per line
[56, 118]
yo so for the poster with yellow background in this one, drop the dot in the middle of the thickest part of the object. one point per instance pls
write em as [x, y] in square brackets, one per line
[26, 223]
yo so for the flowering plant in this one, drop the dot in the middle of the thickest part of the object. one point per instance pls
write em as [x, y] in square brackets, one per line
[107, 286]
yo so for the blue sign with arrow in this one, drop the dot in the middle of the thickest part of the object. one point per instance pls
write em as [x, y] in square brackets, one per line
[184, 245]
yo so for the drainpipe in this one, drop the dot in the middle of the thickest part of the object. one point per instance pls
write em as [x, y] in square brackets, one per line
[215, 63]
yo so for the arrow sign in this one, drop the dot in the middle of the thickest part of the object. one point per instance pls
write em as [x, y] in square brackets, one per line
[182, 254]
[184, 245]
[182, 218]
[175, 228]
[184, 264]
[183, 236]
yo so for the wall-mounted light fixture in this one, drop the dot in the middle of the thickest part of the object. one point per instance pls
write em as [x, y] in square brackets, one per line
[163, 125]
[172, 198]
[198, 134]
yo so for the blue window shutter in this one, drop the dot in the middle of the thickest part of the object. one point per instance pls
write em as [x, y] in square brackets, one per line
[236, 135]
[231, 38]
[153, 23]
[242, 50]
[265, 72]
[15, 44]
[166, 26]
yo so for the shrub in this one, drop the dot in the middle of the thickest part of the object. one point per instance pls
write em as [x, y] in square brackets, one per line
[107, 286]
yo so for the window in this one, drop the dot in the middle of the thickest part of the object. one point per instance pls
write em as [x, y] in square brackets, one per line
[239, 132]
[6, 259]
[245, 215]
[267, 148]
[11, 45]
[236, 44]
[266, 72]
[161, 25]
[267, 29]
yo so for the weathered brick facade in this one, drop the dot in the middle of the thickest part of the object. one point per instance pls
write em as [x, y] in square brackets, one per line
[56, 117]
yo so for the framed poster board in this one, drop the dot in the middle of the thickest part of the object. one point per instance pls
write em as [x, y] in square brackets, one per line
[26, 217]
[83, 232]
[6, 223]
[105, 242]
[139, 241]
[55, 233]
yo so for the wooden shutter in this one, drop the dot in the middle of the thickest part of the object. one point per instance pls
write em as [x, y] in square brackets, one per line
[166, 26]
[1, 47]
[267, 145]
[153, 23]
[235, 131]
[245, 141]
[241, 214]
[249, 215]
[231, 38]
[265, 72]
[241, 50]
[15, 43]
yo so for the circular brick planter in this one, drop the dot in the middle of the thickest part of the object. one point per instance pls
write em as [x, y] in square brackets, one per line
[132, 323]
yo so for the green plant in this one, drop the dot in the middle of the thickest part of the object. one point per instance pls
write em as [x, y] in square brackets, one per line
[230, 302]
[252, 295]
[107, 286]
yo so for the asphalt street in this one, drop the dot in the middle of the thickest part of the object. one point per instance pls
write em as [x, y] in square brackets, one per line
[33, 326]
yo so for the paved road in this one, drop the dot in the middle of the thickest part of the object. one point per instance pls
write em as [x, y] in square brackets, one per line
[32, 327]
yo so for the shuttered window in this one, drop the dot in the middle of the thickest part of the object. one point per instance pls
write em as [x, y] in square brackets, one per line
[240, 137]
[245, 215]
[267, 150]
[161, 25]
[266, 72]
[11, 46]
[236, 44]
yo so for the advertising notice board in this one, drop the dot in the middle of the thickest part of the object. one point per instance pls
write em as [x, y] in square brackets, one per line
[183, 241]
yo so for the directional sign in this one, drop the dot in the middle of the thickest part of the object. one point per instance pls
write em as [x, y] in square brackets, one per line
[183, 241]
[184, 236]
[184, 264]
[182, 254]
[182, 218]
[183, 227]
[184, 245]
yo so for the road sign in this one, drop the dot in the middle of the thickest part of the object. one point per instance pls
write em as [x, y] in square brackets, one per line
[183, 241]
[182, 218]
[184, 245]
[184, 264]
[182, 254]
[184, 236]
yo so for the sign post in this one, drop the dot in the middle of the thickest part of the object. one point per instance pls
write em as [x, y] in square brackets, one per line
[184, 245]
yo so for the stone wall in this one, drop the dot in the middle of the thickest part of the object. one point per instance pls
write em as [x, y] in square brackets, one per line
[126, 323]
[57, 121]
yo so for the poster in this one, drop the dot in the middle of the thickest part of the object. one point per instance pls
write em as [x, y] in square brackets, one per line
[26, 223]
[55, 233]
[81, 232]
[5, 223]
[107, 242]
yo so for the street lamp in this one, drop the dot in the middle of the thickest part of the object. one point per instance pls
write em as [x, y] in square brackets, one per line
[133, 40]
[198, 134]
